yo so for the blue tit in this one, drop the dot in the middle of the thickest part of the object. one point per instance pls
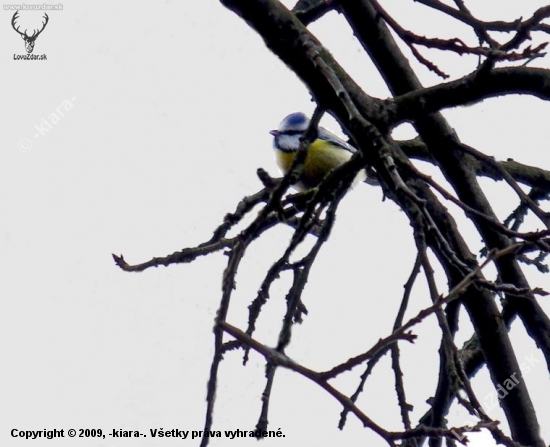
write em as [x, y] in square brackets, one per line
[323, 155]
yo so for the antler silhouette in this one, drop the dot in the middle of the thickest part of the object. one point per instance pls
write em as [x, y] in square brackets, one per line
[29, 40]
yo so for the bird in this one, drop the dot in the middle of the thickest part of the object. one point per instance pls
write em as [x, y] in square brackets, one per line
[325, 153]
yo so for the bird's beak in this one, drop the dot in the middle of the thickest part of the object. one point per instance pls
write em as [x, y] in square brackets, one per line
[274, 132]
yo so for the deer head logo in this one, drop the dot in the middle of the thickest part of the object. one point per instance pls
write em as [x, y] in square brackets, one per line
[29, 40]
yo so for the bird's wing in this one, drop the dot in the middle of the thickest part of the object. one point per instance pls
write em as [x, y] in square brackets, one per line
[327, 135]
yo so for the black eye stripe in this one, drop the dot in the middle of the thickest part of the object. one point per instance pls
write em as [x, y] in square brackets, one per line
[291, 132]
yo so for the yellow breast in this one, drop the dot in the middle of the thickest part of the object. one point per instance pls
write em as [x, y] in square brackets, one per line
[322, 157]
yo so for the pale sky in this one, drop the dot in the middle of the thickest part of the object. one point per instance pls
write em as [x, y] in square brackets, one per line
[166, 112]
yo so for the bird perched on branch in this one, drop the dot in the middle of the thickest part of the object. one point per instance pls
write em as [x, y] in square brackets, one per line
[326, 152]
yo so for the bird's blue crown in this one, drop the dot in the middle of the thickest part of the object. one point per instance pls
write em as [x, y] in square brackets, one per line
[295, 121]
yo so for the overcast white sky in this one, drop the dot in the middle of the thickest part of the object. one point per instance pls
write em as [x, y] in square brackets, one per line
[171, 107]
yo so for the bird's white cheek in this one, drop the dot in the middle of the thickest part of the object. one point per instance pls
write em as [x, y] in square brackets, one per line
[288, 142]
